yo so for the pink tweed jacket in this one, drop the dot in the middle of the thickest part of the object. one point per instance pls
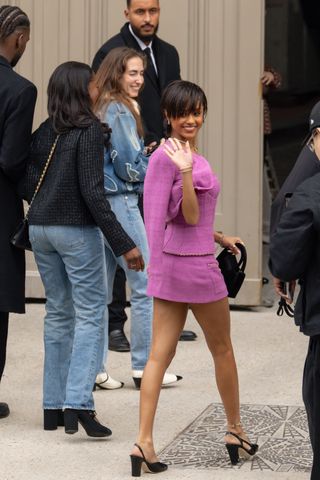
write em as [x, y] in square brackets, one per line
[166, 228]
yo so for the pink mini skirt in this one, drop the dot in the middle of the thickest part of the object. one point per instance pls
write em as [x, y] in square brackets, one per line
[188, 279]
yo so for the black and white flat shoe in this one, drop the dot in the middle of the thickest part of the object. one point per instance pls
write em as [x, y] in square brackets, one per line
[168, 378]
[105, 382]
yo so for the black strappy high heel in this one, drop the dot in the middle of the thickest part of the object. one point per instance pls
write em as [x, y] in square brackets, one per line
[136, 464]
[248, 448]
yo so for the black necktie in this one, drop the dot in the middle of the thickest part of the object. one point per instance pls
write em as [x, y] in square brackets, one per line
[150, 63]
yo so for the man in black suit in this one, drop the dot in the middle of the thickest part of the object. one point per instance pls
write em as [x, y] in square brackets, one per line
[17, 100]
[163, 64]
[163, 67]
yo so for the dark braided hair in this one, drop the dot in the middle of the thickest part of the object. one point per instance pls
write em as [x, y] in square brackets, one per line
[10, 19]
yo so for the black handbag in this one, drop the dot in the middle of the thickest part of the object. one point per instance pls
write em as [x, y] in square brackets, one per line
[20, 238]
[233, 269]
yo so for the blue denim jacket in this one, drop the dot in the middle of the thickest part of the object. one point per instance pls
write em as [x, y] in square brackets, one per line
[125, 164]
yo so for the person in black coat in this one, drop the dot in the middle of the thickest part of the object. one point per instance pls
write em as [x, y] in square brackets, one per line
[306, 166]
[163, 67]
[295, 255]
[17, 100]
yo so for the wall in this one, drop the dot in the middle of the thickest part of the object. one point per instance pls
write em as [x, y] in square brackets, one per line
[221, 47]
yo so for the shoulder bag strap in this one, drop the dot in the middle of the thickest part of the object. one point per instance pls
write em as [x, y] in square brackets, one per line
[243, 258]
[43, 173]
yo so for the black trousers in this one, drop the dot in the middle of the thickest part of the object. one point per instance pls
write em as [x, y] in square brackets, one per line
[4, 320]
[311, 398]
[117, 314]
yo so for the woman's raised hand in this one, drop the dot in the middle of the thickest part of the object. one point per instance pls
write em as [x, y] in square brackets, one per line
[181, 155]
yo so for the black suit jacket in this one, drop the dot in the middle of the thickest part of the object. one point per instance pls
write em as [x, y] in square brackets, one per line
[168, 66]
[17, 100]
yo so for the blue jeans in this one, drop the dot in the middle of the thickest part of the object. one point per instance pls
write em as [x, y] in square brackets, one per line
[125, 206]
[71, 263]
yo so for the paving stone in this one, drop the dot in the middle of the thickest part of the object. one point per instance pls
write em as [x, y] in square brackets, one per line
[280, 430]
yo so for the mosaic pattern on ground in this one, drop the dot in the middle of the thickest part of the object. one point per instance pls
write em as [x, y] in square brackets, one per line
[281, 432]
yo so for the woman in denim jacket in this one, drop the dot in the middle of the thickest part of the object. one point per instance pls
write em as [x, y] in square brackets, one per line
[125, 161]
[119, 80]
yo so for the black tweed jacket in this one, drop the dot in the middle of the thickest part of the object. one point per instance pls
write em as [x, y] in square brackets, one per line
[72, 192]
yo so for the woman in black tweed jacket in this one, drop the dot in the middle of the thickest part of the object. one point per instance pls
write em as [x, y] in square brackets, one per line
[67, 242]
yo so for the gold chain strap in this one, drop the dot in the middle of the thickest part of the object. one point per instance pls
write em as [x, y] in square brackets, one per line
[43, 173]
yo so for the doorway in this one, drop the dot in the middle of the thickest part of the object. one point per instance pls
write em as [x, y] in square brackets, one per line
[292, 48]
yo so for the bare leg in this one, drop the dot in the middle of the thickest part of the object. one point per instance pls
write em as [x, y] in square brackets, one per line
[168, 321]
[214, 319]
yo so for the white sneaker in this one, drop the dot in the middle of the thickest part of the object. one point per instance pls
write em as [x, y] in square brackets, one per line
[105, 382]
[168, 378]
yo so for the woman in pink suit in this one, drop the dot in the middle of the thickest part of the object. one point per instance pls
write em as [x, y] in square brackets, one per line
[180, 196]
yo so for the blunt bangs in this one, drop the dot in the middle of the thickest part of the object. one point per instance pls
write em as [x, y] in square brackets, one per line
[180, 98]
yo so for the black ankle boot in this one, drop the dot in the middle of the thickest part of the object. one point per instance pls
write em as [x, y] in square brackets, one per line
[88, 420]
[52, 419]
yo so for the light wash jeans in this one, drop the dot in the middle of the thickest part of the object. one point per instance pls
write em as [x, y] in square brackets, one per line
[71, 263]
[125, 206]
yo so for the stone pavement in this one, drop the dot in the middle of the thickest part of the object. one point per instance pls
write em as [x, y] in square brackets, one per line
[190, 423]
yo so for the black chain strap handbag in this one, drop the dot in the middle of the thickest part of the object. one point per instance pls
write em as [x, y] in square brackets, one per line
[20, 238]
